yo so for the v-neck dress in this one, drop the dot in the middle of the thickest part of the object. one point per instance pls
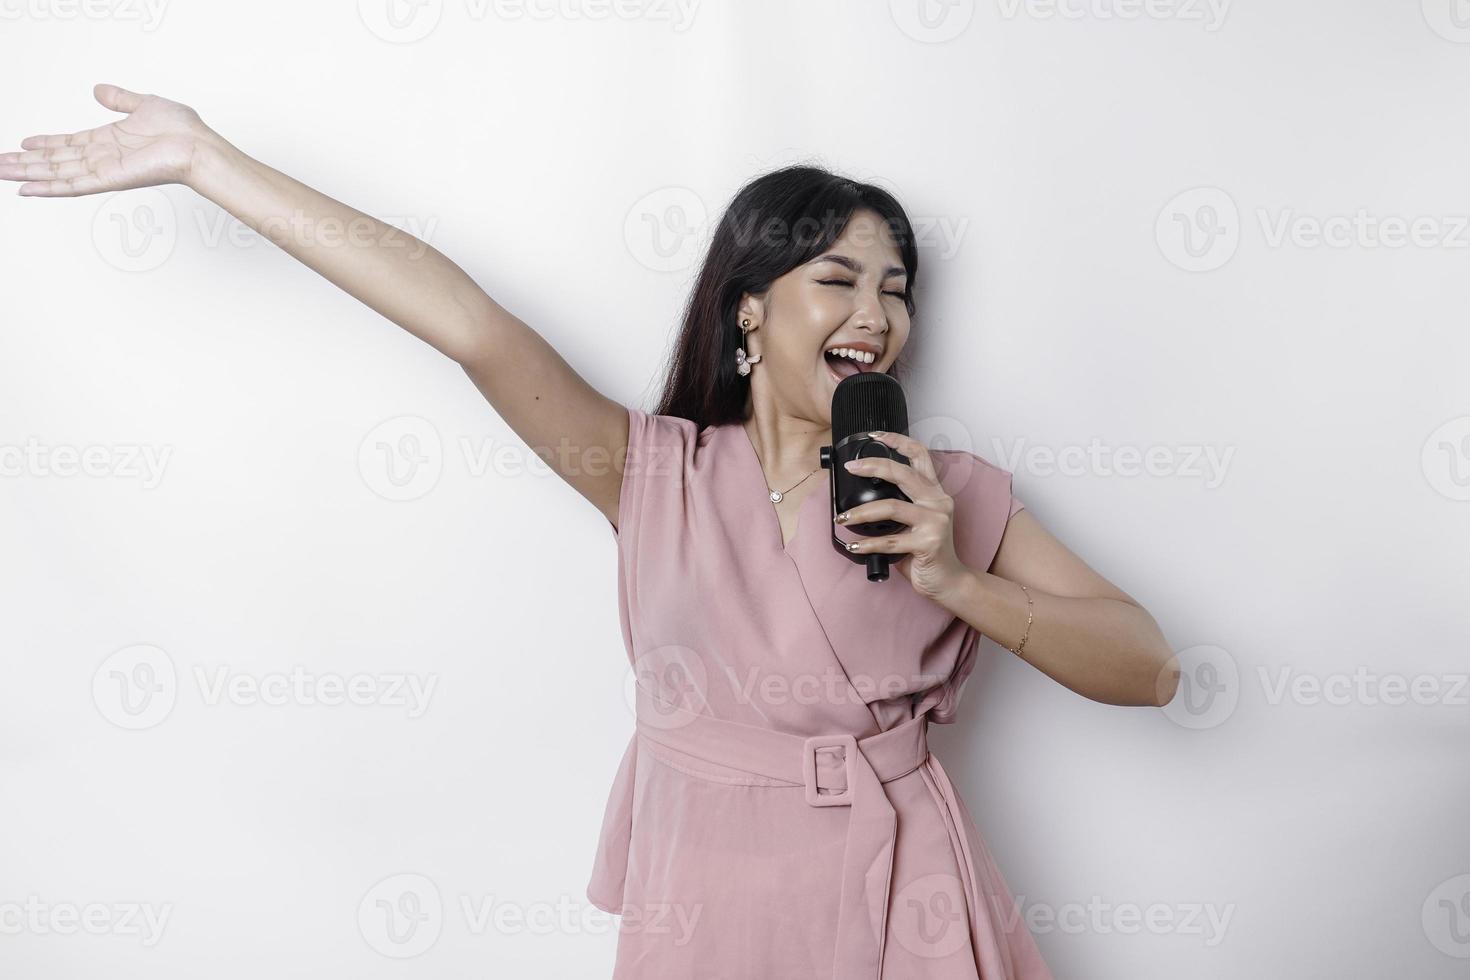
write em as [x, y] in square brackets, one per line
[777, 814]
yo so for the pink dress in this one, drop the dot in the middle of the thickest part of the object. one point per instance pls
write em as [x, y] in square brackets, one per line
[777, 814]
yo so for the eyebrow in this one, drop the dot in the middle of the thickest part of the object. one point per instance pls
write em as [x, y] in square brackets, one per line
[856, 266]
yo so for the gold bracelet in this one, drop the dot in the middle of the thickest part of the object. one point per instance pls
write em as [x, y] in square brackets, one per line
[1026, 635]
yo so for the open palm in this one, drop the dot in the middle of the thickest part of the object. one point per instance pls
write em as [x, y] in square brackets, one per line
[155, 144]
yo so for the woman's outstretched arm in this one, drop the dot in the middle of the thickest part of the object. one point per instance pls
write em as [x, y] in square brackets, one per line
[405, 279]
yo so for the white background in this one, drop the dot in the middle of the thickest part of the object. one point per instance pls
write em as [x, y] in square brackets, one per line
[563, 155]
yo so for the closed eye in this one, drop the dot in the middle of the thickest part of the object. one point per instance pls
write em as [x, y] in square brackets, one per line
[844, 282]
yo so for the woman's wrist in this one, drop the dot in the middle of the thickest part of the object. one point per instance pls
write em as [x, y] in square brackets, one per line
[994, 606]
[966, 593]
[213, 162]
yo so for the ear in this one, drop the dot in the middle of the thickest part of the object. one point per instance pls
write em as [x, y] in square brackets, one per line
[751, 308]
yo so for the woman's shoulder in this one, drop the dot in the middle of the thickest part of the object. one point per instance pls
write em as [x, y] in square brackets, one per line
[651, 433]
[667, 449]
[667, 427]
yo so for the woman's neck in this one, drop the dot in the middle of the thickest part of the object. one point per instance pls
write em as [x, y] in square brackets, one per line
[788, 446]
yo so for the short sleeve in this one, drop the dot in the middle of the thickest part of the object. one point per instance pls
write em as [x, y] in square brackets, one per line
[984, 504]
[660, 449]
[1016, 505]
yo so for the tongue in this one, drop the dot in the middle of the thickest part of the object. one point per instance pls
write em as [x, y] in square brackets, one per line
[844, 366]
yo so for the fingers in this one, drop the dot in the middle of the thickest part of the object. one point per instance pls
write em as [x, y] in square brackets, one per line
[67, 163]
[101, 134]
[65, 187]
[116, 98]
[916, 486]
[42, 170]
[876, 510]
[916, 451]
[113, 97]
[920, 536]
[56, 165]
[36, 156]
[904, 543]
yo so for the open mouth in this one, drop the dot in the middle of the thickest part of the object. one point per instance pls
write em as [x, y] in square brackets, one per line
[844, 362]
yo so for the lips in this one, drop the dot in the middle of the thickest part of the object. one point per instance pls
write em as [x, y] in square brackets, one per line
[841, 367]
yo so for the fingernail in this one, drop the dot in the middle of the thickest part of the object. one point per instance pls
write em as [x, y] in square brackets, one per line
[841, 518]
[853, 545]
[853, 464]
[876, 435]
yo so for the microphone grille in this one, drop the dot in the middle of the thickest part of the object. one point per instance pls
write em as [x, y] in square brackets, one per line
[866, 403]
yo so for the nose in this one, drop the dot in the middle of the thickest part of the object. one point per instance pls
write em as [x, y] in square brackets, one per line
[870, 316]
[873, 324]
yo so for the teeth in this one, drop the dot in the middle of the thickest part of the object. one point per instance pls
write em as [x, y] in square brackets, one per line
[863, 357]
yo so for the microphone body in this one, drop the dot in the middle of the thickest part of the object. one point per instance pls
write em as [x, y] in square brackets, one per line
[863, 403]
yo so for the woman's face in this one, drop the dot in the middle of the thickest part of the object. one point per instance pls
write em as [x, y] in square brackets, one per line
[850, 296]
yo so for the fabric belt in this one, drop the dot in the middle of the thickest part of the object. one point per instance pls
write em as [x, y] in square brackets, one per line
[834, 770]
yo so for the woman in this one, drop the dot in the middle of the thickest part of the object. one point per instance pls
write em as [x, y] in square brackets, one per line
[777, 813]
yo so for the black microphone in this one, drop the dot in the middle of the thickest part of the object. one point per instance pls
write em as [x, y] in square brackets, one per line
[863, 403]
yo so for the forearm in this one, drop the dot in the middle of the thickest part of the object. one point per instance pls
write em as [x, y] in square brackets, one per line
[398, 275]
[1108, 650]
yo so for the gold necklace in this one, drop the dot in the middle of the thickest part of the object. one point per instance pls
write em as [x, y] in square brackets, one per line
[776, 495]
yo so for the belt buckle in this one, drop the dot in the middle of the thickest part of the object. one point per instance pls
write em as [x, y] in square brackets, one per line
[809, 768]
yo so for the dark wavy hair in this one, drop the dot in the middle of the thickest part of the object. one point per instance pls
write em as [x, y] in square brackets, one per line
[775, 223]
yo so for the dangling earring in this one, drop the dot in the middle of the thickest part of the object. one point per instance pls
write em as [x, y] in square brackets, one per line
[742, 362]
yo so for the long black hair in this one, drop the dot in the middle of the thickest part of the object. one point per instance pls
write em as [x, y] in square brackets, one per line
[775, 223]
